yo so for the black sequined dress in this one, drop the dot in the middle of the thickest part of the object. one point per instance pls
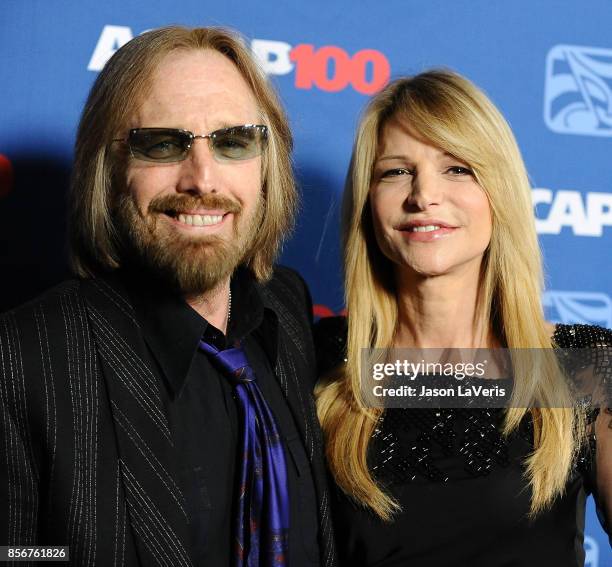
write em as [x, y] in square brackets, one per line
[460, 484]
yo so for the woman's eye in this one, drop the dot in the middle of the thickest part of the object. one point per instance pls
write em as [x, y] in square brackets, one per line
[396, 172]
[459, 170]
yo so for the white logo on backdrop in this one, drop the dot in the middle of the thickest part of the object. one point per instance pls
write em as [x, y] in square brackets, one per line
[585, 213]
[366, 71]
[273, 55]
[578, 90]
[111, 39]
[586, 307]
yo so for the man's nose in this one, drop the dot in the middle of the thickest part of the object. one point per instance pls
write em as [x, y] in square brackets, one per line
[199, 170]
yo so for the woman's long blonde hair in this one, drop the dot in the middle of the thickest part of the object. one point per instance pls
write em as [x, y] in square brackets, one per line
[447, 111]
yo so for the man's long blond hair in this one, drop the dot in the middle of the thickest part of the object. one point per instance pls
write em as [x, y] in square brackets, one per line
[450, 113]
[116, 94]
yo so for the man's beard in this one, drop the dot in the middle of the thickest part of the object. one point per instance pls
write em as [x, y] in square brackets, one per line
[189, 263]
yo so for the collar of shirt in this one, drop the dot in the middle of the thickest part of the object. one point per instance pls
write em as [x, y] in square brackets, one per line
[172, 329]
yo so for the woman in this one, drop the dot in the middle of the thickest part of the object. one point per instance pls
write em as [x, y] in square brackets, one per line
[441, 251]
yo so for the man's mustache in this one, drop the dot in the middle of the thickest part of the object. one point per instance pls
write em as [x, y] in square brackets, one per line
[174, 204]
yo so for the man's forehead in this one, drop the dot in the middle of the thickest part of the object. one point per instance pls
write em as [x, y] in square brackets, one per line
[197, 84]
[181, 62]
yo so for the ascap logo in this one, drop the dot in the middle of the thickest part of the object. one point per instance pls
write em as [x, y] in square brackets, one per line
[6, 176]
[586, 214]
[367, 71]
[328, 68]
[587, 307]
[578, 90]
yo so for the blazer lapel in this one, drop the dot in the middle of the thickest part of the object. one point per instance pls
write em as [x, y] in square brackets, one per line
[155, 503]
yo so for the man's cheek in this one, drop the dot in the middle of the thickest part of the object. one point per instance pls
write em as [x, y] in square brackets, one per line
[141, 188]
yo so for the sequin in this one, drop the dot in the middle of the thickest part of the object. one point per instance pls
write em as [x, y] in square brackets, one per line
[472, 434]
[404, 440]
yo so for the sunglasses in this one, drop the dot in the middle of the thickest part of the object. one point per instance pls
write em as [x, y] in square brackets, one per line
[166, 145]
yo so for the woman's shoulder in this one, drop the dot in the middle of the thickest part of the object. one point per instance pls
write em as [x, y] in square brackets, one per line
[581, 336]
[588, 365]
[330, 343]
[330, 334]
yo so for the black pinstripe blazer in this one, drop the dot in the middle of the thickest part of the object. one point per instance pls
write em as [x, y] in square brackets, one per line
[87, 458]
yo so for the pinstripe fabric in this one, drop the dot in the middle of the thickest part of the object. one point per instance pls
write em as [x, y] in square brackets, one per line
[21, 504]
[50, 406]
[155, 504]
[84, 397]
[87, 457]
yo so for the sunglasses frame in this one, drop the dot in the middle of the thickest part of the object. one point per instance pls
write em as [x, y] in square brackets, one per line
[262, 130]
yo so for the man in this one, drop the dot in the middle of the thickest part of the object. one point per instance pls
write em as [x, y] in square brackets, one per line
[157, 410]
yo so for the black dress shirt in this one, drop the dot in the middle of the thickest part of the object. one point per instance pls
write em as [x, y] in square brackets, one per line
[203, 417]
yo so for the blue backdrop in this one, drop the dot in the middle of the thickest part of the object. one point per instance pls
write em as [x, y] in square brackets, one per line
[547, 65]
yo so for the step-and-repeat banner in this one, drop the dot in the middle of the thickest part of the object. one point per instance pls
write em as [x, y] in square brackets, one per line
[547, 65]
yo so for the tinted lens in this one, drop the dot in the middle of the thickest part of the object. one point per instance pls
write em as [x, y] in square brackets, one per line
[239, 142]
[159, 144]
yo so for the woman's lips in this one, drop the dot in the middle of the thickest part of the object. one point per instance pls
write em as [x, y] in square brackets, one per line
[426, 231]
